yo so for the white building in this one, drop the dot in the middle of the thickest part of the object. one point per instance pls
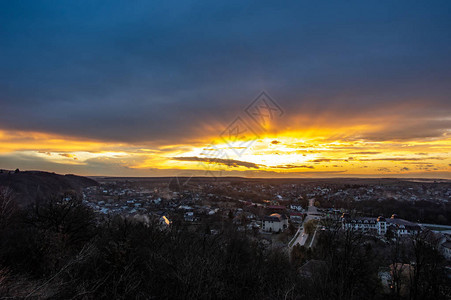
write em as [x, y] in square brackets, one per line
[275, 223]
[156, 201]
[296, 207]
[362, 224]
[380, 225]
[402, 227]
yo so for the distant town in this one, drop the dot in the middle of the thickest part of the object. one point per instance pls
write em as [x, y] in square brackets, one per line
[387, 235]
[275, 212]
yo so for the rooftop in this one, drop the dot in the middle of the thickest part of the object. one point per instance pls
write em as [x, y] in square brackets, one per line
[275, 217]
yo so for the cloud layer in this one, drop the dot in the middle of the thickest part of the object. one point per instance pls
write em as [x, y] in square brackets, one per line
[140, 72]
[152, 78]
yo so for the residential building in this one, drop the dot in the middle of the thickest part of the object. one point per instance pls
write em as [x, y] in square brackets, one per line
[296, 217]
[380, 225]
[445, 249]
[275, 223]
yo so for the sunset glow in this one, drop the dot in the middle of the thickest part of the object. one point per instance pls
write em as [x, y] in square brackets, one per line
[144, 90]
[283, 155]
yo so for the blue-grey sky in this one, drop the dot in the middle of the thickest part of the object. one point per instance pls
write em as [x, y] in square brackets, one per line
[158, 72]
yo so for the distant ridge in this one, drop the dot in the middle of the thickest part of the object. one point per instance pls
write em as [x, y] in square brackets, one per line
[325, 180]
[27, 185]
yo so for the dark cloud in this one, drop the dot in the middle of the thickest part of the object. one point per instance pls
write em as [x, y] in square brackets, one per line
[88, 167]
[420, 166]
[113, 167]
[401, 159]
[319, 160]
[165, 72]
[293, 167]
[366, 152]
[418, 128]
[220, 161]
[67, 155]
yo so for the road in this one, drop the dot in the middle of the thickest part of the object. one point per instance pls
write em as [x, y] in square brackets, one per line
[301, 236]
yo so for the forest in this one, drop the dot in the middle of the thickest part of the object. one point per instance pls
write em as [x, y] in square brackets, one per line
[58, 249]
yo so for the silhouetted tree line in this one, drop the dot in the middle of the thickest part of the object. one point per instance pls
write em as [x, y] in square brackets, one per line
[57, 249]
[419, 211]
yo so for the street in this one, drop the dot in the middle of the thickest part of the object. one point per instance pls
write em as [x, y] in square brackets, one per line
[301, 235]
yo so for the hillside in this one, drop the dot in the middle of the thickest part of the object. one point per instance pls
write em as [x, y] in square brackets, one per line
[28, 185]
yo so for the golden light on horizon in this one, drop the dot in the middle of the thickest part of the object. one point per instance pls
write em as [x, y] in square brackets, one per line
[286, 153]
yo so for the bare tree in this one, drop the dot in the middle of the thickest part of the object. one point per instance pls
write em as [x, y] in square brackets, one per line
[7, 206]
[427, 277]
[397, 263]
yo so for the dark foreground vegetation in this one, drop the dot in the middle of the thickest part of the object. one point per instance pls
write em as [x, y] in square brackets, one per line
[57, 249]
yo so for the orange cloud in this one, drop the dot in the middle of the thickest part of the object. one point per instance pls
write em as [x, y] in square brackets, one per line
[294, 153]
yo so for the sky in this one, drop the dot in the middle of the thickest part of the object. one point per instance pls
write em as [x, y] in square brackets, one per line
[239, 88]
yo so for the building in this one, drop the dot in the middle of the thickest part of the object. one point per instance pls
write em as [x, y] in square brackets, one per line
[362, 224]
[445, 249]
[164, 222]
[402, 227]
[276, 207]
[189, 216]
[380, 225]
[296, 207]
[296, 217]
[275, 223]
